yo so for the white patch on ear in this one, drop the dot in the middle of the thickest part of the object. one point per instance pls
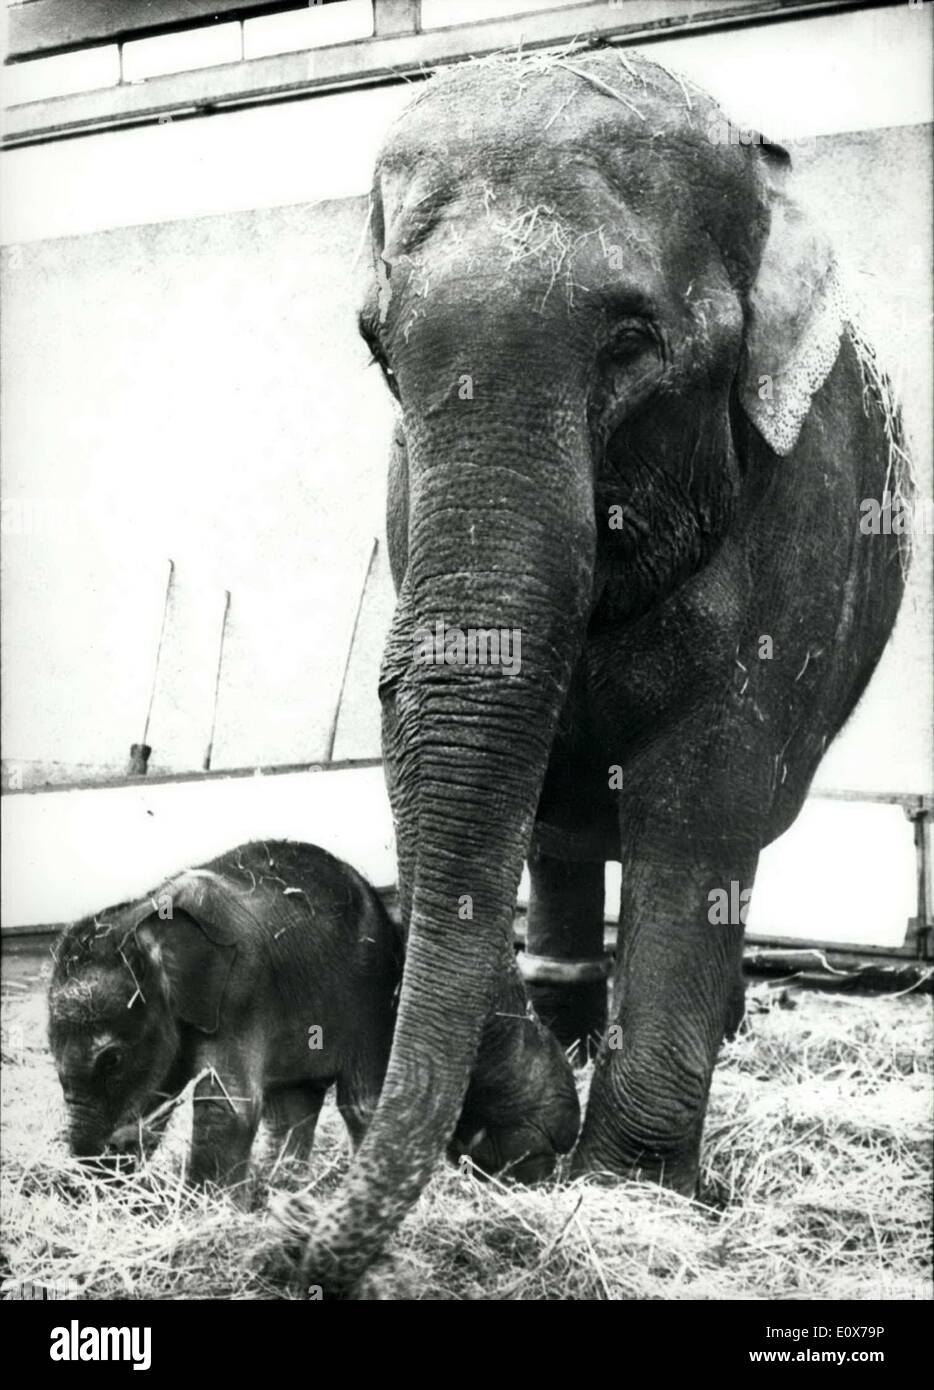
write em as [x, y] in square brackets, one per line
[796, 318]
[148, 942]
[153, 949]
[778, 403]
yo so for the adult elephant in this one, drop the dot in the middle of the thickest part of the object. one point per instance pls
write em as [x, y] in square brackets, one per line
[635, 428]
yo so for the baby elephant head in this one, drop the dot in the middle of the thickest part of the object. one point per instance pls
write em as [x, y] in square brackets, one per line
[127, 986]
[521, 1109]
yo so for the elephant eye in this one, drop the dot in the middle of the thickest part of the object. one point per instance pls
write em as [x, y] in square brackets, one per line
[377, 355]
[389, 375]
[627, 340]
[110, 1063]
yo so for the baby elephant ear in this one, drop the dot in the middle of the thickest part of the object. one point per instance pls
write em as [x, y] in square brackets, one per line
[795, 322]
[194, 937]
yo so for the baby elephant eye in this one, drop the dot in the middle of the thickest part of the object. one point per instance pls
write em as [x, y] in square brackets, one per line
[109, 1063]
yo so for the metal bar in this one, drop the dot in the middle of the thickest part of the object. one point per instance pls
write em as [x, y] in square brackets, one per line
[45, 27]
[394, 58]
[112, 782]
[915, 946]
[872, 968]
[907, 951]
[924, 931]
[851, 953]
[913, 802]
[332, 734]
[138, 764]
[880, 975]
[217, 682]
[155, 669]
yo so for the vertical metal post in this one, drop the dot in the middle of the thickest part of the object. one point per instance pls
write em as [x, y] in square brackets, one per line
[217, 682]
[332, 734]
[919, 816]
[140, 752]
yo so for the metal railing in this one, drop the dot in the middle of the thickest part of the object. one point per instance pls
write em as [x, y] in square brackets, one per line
[399, 50]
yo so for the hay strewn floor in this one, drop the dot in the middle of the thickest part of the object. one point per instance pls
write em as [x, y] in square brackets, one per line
[818, 1140]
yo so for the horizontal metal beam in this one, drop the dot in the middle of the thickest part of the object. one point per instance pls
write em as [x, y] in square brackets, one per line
[798, 953]
[830, 970]
[393, 58]
[45, 27]
[111, 781]
[913, 802]
[819, 965]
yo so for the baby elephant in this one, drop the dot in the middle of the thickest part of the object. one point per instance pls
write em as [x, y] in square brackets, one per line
[273, 970]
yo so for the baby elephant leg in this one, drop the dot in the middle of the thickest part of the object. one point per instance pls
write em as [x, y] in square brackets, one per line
[358, 1091]
[291, 1114]
[362, 1070]
[227, 1108]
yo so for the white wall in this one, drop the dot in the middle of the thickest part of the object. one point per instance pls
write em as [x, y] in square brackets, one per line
[193, 390]
[844, 872]
[183, 380]
[182, 376]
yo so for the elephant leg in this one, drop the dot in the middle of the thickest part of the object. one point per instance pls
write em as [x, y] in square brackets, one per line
[227, 1109]
[675, 994]
[292, 1114]
[565, 924]
[521, 1108]
[358, 1089]
[736, 1007]
[360, 1080]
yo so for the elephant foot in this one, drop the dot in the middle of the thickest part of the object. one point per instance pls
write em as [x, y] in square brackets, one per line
[677, 1175]
[622, 1141]
[297, 1259]
[303, 1260]
[575, 1013]
[646, 1109]
[291, 1216]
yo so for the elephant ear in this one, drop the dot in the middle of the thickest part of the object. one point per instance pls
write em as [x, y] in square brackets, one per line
[796, 316]
[193, 936]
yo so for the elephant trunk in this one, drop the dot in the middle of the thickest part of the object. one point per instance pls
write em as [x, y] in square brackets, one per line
[500, 541]
[88, 1129]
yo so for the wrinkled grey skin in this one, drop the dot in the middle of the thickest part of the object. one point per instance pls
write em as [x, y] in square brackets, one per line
[582, 302]
[228, 966]
[265, 943]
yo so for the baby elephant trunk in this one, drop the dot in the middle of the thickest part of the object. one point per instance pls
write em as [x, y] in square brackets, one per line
[88, 1130]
